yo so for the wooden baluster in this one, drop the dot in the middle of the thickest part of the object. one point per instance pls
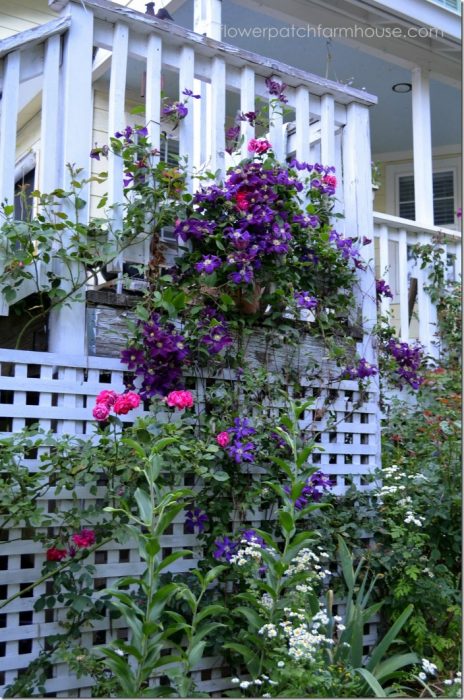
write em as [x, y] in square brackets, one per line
[218, 114]
[8, 121]
[403, 284]
[247, 104]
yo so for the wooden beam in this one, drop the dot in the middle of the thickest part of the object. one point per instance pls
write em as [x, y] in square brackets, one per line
[32, 37]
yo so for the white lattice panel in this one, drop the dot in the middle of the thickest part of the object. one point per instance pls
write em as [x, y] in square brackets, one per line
[59, 394]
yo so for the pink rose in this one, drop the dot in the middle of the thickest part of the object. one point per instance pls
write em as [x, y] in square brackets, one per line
[223, 439]
[259, 146]
[330, 180]
[179, 399]
[101, 411]
[54, 554]
[86, 538]
[122, 405]
[107, 397]
[133, 398]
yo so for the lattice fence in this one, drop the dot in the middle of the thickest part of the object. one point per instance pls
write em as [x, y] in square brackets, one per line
[59, 393]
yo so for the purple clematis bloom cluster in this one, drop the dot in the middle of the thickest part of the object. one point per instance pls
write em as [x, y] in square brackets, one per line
[347, 249]
[241, 449]
[409, 359]
[383, 289]
[277, 89]
[195, 520]
[177, 110]
[160, 362]
[130, 131]
[215, 331]
[193, 228]
[313, 490]
[305, 300]
[226, 548]
[363, 370]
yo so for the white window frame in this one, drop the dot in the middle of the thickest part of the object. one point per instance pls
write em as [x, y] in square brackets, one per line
[393, 172]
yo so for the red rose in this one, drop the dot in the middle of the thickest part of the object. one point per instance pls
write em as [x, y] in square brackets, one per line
[54, 554]
[86, 538]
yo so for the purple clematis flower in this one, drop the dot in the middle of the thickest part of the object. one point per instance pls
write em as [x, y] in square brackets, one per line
[208, 264]
[241, 451]
[305, 300]
[189, 93]
[225, 548]
[195, 519]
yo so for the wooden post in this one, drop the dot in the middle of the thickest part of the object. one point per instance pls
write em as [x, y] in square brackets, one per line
[116, 122]
[207, 18]
[247, 104]
[218, 114]
[422, 146]
[302, 124]
[186, 133]
[403, 284]
[50, 128]
[427, 312]
[384, 264]
[276, 128]
[327, 130]
[8, 120]
[153, 89]
[67, 324]
[358, 209]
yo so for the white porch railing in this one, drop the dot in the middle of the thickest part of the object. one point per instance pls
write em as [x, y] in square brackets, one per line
[62, 54]
[414, 315]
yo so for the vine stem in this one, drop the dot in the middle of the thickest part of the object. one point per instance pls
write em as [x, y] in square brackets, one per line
[50, 574]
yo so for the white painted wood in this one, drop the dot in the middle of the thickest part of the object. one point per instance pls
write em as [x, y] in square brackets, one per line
[247, 104]
[422, 146]
[186, 133]
[32, 37]
[218, 114]
[384, 264]
[327, 130]
[117, 122]
[49, 177]
[202, 141]
[277, 129]
[302, 146]
[67, 325]
[153, 88]
[207, 18]
[8, 121]
[403, 284]
[426, 310]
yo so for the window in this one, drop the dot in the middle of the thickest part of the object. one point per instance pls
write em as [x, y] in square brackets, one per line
[23, 202]
[443, 197]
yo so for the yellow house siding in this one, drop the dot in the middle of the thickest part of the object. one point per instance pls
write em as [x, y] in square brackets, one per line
[20, 15]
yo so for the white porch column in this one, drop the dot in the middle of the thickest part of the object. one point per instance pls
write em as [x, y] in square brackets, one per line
[358, 210]
[207, 18]
[206, 21]
[423, 193]
[67, 324]
[422, 146]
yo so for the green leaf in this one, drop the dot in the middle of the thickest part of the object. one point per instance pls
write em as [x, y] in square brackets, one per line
[213, 609]
[138, 449]
[346, 562]
[251, 615]
[221, 476]
[372, 683]
[286, 521]
[241, 649]
[214, 573]
[145, 506]
[172, 558]
[196, 653]
[382, 647]
[80, 603]
[388, 667]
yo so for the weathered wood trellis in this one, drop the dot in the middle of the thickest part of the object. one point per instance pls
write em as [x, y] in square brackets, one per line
[58, 393]
[57, 389]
